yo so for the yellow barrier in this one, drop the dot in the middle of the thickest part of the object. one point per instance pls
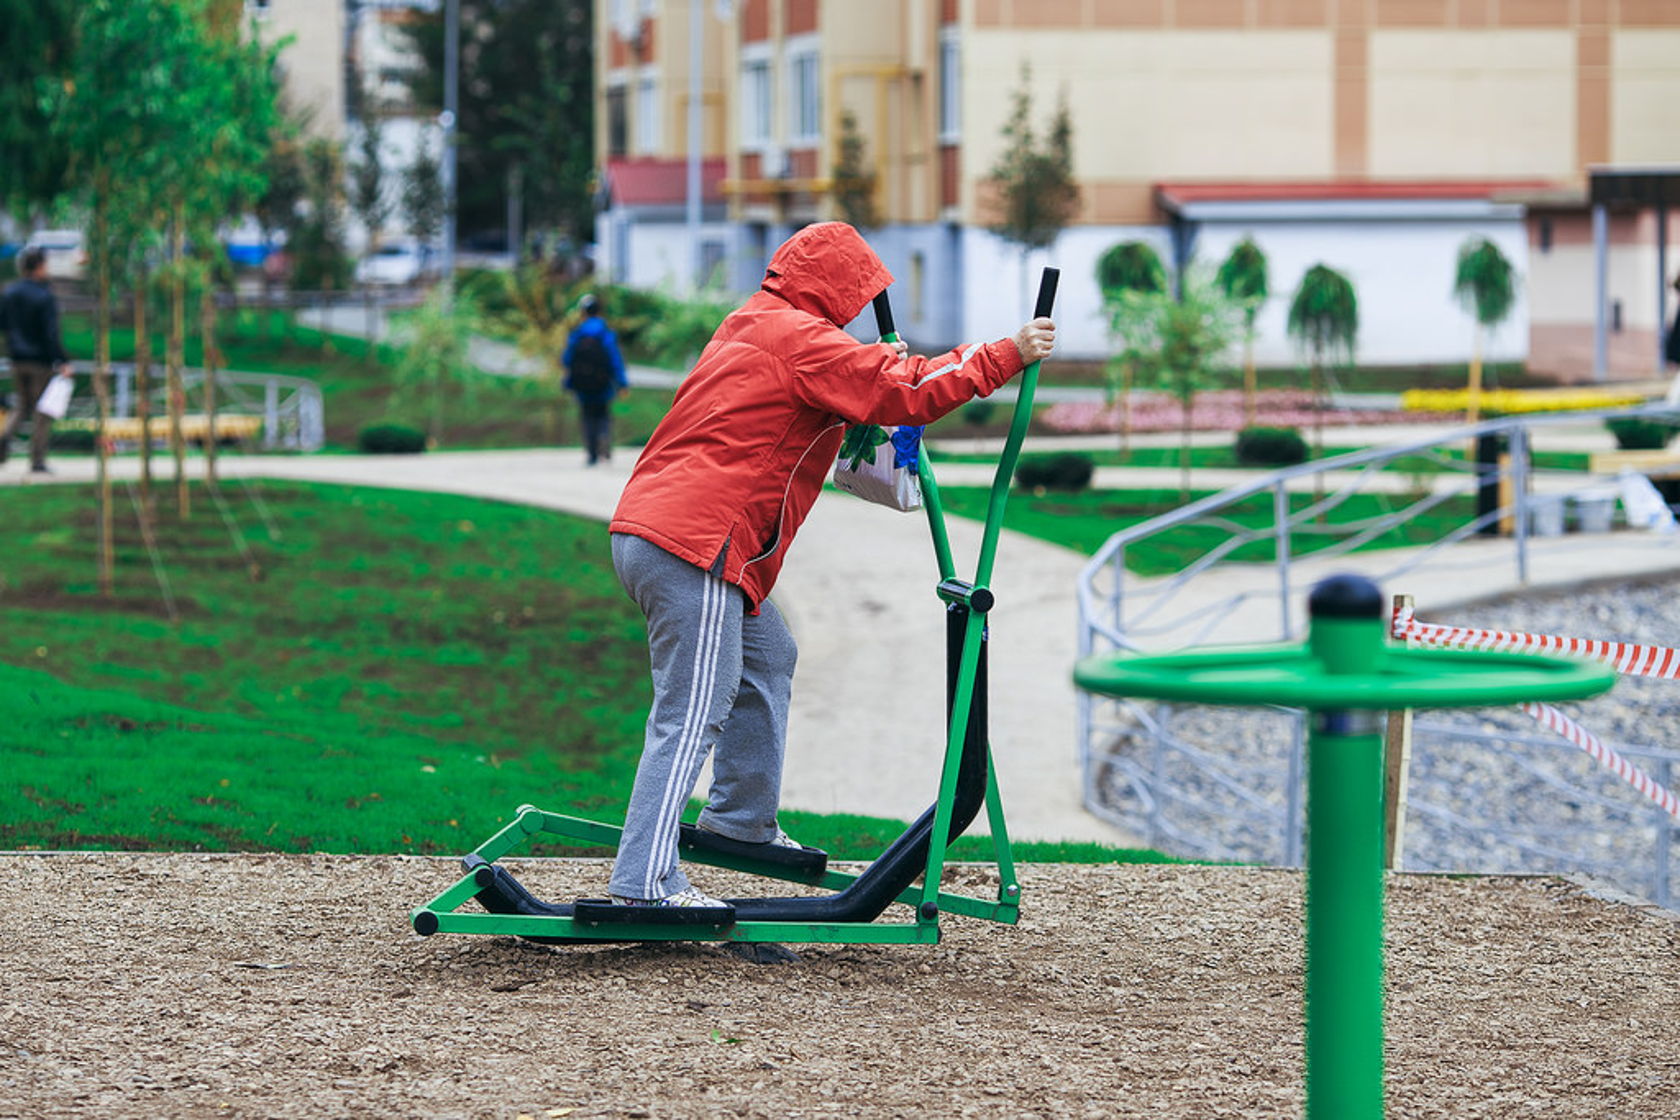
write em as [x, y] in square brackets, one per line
[1508, 401]
[194, 427]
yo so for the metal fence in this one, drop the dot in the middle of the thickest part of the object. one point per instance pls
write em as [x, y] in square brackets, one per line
[1221, 783]
[289, 408]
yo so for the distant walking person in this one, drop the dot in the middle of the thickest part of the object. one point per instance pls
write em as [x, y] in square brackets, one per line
[29, 319]
[1671, 350]
[595, 373]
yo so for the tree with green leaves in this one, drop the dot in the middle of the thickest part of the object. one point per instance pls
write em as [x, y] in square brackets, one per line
[1486, 285]
[1324, 322]
[1037, 195]
[1131, 267]
[367, 175]
[527, 97]
[422, 194]
[539, 317]
[37, 55]
[1243, 278]
[434, 360]
[854, 179]
[1177, 344]
[319, 261]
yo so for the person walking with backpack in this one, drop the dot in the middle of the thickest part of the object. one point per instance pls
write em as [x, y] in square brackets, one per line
[595, 374]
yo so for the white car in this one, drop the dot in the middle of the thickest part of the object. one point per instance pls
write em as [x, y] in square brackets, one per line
[399, 262]
[66, 255]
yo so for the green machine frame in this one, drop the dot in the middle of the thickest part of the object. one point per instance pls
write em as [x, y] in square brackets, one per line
[967, 779]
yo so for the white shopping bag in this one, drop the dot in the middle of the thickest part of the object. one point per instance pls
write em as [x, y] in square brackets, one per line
[55, 398]
[1644, 505]
[880, 467]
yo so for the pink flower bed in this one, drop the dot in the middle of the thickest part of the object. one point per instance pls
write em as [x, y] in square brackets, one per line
[1220, 411]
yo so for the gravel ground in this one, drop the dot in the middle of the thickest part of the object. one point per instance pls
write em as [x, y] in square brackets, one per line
[1514, 798]
[290, 986]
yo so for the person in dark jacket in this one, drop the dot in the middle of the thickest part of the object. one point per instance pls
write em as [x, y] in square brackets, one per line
[29, 320]
[595, 375]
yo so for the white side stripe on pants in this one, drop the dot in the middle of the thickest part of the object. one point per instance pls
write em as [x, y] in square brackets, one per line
[713, 601]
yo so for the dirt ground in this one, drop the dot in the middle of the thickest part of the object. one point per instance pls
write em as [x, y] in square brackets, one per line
[291, 986]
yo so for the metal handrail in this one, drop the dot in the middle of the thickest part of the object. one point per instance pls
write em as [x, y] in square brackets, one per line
[1121, 612]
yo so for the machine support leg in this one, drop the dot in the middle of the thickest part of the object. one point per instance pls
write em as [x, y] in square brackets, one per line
[1344, 989]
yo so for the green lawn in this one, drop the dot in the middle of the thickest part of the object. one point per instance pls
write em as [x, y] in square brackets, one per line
[408, 669]
[1084, 521]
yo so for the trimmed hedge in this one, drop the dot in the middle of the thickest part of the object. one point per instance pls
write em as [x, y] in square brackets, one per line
[391, 439]
[1270, 447]
[1068, 471]
[1635, 433]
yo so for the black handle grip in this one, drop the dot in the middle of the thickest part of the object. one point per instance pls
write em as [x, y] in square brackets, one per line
[883, 316]
[1046, 293]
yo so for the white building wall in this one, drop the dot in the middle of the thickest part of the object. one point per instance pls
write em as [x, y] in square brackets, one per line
[1402, 273]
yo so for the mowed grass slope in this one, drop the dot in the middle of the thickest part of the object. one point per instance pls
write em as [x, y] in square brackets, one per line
[406, 671]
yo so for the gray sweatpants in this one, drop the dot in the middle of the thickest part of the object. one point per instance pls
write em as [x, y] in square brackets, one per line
[721, 677]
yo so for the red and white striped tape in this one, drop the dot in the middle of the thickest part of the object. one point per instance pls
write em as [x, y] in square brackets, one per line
[1629, 659]
[1595, 747]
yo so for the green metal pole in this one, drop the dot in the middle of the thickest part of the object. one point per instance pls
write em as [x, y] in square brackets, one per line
[1344, 896]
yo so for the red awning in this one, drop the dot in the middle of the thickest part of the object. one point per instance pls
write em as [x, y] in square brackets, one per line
[661, 182]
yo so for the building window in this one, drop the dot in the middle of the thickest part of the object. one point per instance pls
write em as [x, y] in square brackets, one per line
[1545, 235]
[950, 89]
[257, 7]
[918, 286]
[804, 95]
[755, 102]
[647, 116]
[618, 123]
[711, 264]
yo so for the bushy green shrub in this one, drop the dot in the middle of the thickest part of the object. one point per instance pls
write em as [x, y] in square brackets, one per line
[1068, 471]
[1270, 447]
[979, 413]
[391, 439]
[71, 439]
[1636, 433]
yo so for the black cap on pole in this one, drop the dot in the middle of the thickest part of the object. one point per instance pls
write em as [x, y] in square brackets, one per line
[1046, 293]
[1345, 596]
[883, 316]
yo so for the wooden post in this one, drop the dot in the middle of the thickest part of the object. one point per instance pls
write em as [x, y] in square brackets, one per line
[1397, 759]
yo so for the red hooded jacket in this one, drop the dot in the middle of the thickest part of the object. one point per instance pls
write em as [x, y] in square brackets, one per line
[730, 473]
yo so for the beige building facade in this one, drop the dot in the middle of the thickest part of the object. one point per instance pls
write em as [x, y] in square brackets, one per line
[312, 62]
[1497, 103]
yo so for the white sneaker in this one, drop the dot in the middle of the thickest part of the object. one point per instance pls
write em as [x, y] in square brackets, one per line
[780, 840]
[688, 896]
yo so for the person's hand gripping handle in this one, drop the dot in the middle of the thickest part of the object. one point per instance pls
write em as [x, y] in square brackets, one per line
[1036, 339]
[884, 326]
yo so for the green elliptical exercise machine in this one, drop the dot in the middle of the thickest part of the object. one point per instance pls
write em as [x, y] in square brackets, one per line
[852, 912]
[1345, 675]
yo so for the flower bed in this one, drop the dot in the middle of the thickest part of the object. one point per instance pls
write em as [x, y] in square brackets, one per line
[1220, 410]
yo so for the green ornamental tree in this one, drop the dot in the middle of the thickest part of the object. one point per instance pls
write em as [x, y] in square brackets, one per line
[854, 179]
[433, 364]
[1243, 278]
[1178, 344]
[37, 52]
[1123, 269]
[1486, 284]
[1036, 191]
[367, 174]
[1324, 322]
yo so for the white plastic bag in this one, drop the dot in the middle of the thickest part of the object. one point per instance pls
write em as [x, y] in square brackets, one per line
[881, 468]
[55, 398]
[1644, 505]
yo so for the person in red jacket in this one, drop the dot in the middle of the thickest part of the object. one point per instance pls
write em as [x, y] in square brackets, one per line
[714, 503]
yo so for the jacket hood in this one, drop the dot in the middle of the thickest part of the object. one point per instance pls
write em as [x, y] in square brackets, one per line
[827, 269]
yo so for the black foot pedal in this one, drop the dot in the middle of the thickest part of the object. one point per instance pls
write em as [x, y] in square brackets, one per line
[600, 911]
[808, 863]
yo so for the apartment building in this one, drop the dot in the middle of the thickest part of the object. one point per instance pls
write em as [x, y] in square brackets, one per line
[1375, 136]
[312, 60]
